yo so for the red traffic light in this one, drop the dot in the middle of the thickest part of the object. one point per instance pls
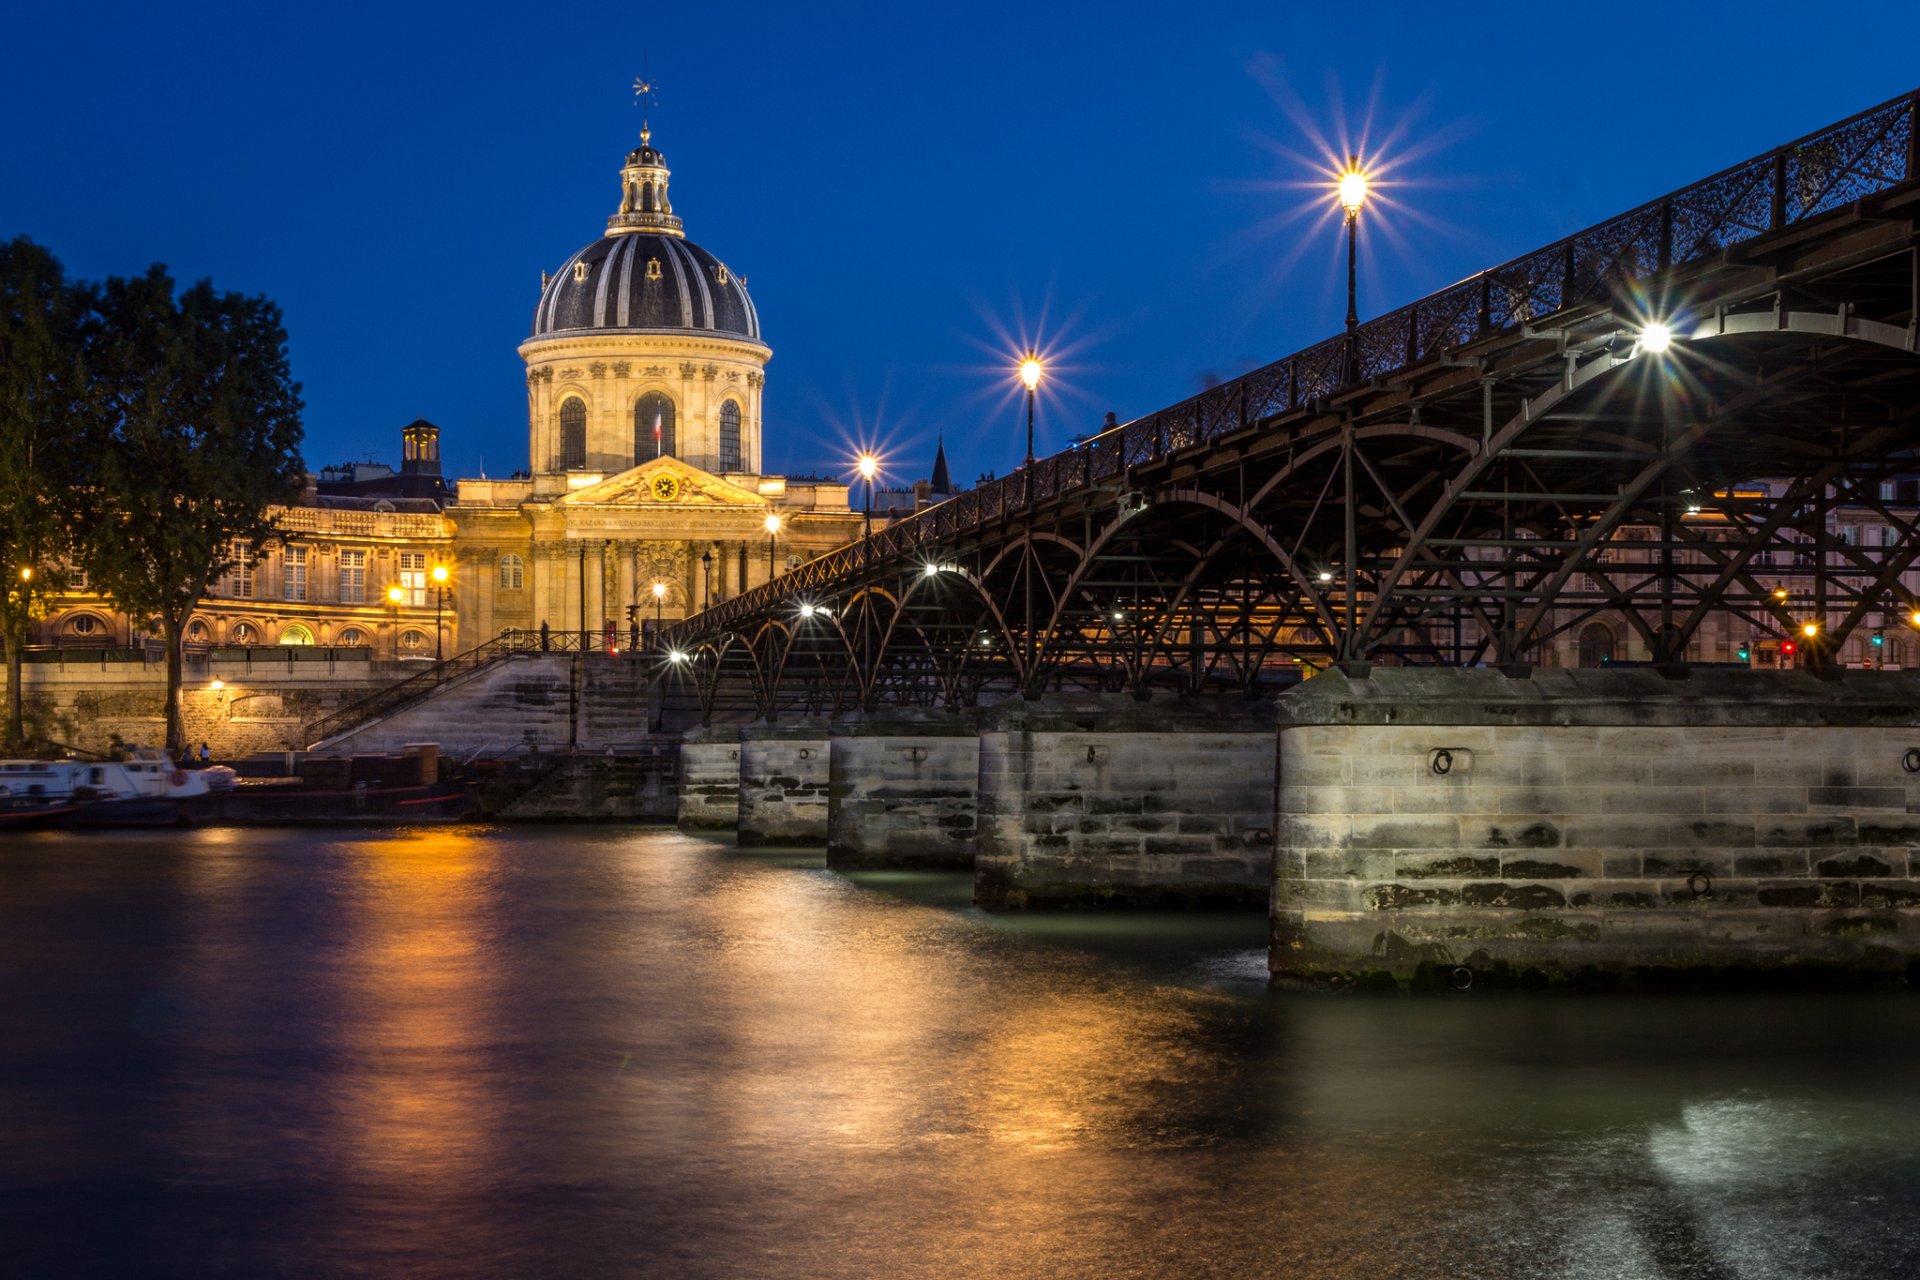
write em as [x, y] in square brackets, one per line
[1786, 648]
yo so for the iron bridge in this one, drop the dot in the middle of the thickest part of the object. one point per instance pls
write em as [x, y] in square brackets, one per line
[1472, 479]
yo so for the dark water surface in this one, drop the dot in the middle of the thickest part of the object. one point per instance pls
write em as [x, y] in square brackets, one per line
[593, 1052]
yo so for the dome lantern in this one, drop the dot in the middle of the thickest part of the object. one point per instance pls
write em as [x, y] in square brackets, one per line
[643, 193]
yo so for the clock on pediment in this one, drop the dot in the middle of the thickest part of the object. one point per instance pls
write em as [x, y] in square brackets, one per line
[665, 487]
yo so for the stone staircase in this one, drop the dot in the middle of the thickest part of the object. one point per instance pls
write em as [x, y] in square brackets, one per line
[589, 701]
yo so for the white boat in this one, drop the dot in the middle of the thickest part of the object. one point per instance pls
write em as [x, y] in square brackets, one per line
[146, 787]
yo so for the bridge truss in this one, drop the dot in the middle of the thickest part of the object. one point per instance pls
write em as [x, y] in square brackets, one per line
[1477, 477]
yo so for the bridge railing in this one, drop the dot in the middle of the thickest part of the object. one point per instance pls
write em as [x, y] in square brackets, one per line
[1862, 155]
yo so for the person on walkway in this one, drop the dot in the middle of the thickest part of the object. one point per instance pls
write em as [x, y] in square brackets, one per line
[546, 637]
[205, 755]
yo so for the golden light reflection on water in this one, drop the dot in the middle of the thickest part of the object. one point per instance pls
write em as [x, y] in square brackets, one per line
[416, 998]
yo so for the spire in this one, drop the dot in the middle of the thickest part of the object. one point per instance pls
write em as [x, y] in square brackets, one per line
[643, 183]
[941, 482]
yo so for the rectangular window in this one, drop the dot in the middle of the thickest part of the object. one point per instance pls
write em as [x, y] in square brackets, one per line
[76, 578]
[243, 573]
[413, 577]
[353, 577]
[296, 573]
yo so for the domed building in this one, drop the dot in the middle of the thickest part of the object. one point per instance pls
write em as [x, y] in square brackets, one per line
[645, 402]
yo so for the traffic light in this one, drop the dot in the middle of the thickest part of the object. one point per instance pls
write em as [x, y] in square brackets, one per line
[1878, 639]
[1786, 648]
[1746, 653]
[633, 613]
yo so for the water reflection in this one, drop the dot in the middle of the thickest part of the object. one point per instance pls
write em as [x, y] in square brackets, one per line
[600, 1052]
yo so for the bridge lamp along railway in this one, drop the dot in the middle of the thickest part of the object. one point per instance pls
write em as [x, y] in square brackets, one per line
[1352, 188]
[1030, 371]
[868, 466]
[1656, 339]
[659, 598]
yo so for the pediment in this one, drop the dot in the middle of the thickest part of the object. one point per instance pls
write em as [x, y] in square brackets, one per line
[663, 482]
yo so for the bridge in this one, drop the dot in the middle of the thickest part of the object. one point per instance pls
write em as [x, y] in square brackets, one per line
[1659, 421]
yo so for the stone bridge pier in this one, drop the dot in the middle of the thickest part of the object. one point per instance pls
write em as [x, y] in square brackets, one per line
[1596, 822]
[1095, 800]
[903, 789]
[783, 783]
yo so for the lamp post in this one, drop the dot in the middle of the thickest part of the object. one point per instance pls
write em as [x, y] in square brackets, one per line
[659, 598]
[773, 531]
[395, 594]
[439, 604]
[1353, 195]
[868, 466]
[706, 579]
[1030, 370]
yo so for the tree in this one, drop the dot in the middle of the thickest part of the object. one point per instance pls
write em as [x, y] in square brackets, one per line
[198, 423]
[40, 389]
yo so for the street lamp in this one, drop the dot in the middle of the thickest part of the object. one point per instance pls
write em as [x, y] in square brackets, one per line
[1030, 371]
[439, 603]
[395, 594]
[659, 598]
[869, 466]
[706, 579]
[773, 530]
[1353, 195]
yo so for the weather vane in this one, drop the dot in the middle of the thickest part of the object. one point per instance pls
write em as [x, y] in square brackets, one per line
[644, 97]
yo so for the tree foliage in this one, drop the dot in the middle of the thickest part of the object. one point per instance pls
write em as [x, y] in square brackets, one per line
[196, 435]
[42, 472]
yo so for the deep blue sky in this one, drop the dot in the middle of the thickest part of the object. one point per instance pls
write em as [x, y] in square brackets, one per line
[910, 189]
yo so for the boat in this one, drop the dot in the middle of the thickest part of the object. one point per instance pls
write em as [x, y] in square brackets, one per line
[144, 789]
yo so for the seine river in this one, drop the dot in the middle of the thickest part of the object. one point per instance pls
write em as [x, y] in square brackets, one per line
[593, 1052]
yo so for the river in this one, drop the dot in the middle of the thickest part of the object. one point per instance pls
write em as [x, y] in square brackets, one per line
[612, 1052]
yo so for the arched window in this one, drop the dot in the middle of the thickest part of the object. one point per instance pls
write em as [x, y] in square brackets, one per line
[1596, 645]
[197, 632]
[653, 428]
[84, 624]
[296, 634]
[413, 641]
[513, 572]
[573, 434]
[352, 638]
[245, 633]
[730, 437]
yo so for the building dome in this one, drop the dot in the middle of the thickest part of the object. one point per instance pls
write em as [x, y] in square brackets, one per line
[646, 280]
[644, 274]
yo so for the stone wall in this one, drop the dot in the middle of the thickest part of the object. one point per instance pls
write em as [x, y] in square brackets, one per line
[262, 706]
[637, 786]
[1087, 801]
[783, 784]
[710, 779]
[902, 790]
[1605, 822]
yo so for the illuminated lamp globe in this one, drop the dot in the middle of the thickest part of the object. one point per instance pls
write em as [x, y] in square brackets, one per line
[1030, 370]
[773, 524]
[659, 591]
[1353, 189]
[868, 466]
[1810, 630]
[1655, 339]
[440, 573]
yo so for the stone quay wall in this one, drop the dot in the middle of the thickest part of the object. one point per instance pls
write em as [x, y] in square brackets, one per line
[263, 705]
[784, 776]
[1596, 822]
[902, 790]
[540, 700]
[1103, 800]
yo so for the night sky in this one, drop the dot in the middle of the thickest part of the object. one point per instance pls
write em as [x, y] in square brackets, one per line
[912, 191]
